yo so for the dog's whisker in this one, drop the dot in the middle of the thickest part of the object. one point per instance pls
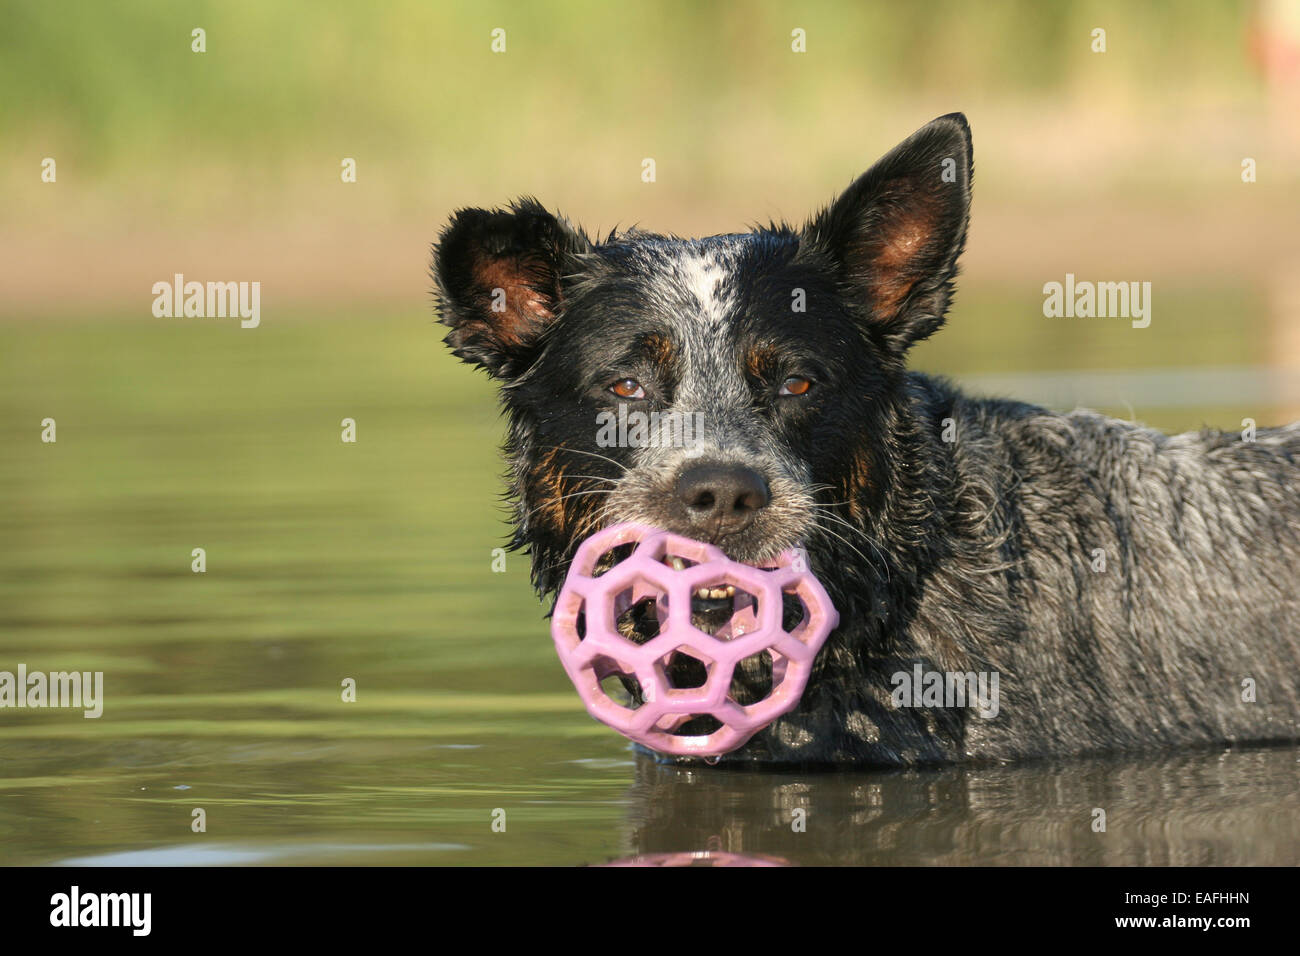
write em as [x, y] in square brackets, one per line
[856, 530]
[555, 501]
[848, 544]
[580, 451]
[586, 527]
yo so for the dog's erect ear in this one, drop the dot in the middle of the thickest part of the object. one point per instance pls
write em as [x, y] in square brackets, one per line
[499, 276]
[895, 234]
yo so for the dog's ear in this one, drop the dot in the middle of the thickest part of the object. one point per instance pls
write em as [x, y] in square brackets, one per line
[895, 234]
[499, 276]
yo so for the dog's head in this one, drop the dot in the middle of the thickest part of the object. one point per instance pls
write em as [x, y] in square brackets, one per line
[740, 390]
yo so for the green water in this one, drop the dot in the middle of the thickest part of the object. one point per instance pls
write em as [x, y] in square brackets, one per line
[373, 561]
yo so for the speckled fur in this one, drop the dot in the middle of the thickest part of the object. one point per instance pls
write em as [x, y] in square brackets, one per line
[974, 554]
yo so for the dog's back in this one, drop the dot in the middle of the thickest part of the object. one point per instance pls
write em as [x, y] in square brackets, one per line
[1154, 579]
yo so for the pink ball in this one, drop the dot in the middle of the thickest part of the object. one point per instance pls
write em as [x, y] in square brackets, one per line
[592, 649]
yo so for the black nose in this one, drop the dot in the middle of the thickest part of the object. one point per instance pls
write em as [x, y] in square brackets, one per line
[723, 498]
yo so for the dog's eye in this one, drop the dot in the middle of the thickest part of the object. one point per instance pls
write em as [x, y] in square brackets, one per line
[795, 385]
[627, 388]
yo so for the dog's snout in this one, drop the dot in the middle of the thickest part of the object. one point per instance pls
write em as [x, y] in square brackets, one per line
[722, 498]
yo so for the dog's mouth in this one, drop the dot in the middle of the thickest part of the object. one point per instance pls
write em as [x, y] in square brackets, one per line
[706, 602]
[712, 606]
[712, 610]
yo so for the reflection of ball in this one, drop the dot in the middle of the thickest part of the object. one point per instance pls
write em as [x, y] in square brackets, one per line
[717, 858]
[684, 701]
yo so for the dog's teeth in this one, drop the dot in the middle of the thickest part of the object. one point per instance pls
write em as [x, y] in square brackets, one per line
[716, 594]
[677, 563]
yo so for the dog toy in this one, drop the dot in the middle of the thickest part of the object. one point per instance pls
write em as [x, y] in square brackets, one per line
[635, 621]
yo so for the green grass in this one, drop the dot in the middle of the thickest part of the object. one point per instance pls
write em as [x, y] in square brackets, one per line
[114, 92]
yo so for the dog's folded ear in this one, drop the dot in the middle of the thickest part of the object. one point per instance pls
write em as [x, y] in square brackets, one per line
[499, 276]
[895, 234]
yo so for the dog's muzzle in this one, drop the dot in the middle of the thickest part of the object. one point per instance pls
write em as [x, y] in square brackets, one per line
[708, 651]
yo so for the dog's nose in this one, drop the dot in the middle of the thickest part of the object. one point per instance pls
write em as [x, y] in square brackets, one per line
[723, 498]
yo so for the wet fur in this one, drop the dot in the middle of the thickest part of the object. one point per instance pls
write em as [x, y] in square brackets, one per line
[974, 554]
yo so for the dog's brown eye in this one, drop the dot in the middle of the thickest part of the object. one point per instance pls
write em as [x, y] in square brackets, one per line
[627, 388]
[794, 385]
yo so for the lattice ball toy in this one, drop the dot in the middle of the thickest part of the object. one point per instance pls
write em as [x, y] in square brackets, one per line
[681, 677]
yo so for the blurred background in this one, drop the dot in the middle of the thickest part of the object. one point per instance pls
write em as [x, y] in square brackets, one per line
[373, 560]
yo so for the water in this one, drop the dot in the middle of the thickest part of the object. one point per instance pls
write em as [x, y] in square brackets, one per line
[373, 562]
[312, 800]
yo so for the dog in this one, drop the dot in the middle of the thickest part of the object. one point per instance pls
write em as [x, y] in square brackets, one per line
[1126, 590]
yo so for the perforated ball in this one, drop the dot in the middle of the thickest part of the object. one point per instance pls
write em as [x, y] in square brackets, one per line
[623, 628]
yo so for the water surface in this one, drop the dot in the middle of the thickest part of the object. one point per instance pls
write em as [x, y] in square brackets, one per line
[374, 562]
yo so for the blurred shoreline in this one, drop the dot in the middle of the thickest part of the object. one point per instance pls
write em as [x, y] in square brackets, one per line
[225, 164]
[51, 271]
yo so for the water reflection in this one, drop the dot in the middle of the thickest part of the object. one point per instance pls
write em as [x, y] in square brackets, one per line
[253, 854]
[574, 802]
[1235, 807]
